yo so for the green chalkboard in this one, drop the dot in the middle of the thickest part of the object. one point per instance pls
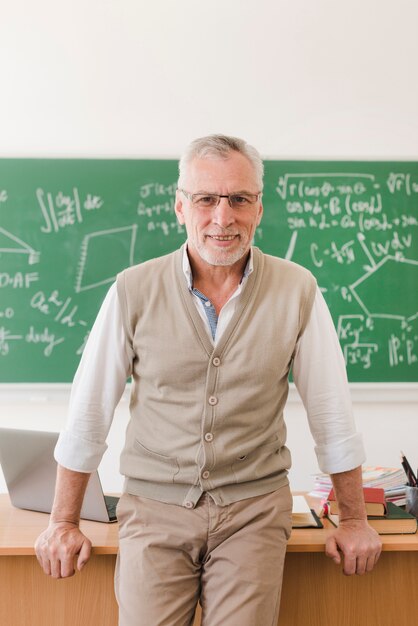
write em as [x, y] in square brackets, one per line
[68, 226]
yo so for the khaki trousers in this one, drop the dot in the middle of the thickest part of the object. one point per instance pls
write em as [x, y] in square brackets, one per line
[230, 558]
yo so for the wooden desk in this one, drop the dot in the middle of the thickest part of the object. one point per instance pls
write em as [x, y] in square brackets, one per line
[314, 592]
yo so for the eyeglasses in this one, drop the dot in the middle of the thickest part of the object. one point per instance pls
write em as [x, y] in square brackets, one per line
[211, 200]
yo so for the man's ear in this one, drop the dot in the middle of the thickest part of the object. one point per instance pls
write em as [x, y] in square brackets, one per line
[260, 214]
[178, 207]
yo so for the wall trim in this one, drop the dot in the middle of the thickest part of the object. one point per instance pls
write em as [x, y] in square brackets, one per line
[59, 393]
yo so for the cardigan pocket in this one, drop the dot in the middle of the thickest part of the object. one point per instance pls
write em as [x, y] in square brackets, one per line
[154, 466]
[258, 463]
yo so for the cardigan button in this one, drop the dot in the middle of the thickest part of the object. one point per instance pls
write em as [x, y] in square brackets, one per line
[216, 361]
[205, 474]
[188, 504]
[213, 400]
[208, 437]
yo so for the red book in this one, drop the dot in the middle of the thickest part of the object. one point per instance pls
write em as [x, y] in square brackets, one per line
[374, 499]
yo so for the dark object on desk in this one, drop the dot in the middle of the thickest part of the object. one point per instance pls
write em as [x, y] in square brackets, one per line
[374, 499]
[29, 468]
[395, 522]
[411, 500]
[303, 516]
[412, 479]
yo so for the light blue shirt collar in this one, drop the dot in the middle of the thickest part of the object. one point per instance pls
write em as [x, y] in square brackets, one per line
[187, 270]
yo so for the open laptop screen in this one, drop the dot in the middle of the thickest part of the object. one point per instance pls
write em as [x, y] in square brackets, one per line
[29, 468]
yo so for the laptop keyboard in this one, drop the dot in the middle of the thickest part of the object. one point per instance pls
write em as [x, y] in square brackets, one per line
[111, 503]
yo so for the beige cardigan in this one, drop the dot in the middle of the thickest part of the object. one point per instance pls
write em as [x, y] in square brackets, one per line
[207, 418]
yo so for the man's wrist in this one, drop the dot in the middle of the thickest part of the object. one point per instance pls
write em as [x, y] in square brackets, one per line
[63, 521]
[361, 521]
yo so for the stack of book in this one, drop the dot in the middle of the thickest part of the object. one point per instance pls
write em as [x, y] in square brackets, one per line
[383, 515]
[391, 480]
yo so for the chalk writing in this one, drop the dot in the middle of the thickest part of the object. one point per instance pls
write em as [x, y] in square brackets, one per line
[7, 313]
[402, 349]
[62, 210]
[19, 280]
[60, 308]
[360, 354]
[45, 338]
[6, 337]
[166, 227]
[92, 203]
[331, 182]
[397, 182]
[380, 242]
[341, 254]
[157, 189]
[156, 209]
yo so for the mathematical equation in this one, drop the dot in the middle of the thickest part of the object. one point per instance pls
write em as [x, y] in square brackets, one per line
[62, 209]
[159, 204]
[359, 248]
[400, 348]
[344, 201]
[358, 234]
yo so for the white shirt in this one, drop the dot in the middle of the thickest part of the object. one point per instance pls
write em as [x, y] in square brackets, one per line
[318, 372]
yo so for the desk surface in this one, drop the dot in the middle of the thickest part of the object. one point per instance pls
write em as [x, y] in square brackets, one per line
[19, 530]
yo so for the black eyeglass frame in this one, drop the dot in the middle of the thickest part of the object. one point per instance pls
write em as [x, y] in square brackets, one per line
[245, 194]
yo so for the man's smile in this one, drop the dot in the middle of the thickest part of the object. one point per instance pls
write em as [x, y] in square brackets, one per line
[222, 237]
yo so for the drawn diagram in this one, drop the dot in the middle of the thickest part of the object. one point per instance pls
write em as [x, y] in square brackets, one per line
[382, 304]
[10, 244]
[390, 302]
[103, 255]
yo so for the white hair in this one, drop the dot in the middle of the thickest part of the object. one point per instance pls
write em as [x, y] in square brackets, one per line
[220, 146]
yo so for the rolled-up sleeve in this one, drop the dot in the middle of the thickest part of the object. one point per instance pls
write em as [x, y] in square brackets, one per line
[320, 376]
[97, 388]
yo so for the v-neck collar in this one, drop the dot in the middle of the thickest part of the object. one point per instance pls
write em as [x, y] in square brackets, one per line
[196, 321]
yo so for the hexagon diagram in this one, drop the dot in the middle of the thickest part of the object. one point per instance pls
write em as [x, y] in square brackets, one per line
[381, 291]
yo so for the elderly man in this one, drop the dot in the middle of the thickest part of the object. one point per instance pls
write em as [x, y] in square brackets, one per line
[209, 334]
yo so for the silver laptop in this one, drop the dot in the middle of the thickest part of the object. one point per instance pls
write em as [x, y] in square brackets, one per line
[29, 468]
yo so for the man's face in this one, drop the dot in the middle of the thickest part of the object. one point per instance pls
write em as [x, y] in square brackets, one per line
[221, 235]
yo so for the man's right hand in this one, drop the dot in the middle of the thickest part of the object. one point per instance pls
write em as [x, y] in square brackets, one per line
[57, 547]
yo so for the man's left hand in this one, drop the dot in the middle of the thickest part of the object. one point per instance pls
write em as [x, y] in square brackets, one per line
[357, 544]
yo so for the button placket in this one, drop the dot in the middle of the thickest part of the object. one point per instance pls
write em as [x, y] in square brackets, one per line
[212, 401]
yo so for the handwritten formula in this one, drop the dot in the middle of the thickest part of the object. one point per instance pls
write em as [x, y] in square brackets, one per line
[357, 232]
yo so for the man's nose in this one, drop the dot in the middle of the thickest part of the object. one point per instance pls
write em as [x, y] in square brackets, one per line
[223, 214]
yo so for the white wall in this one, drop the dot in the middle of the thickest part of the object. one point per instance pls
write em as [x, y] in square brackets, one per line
[307, 79]
[385, 414]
